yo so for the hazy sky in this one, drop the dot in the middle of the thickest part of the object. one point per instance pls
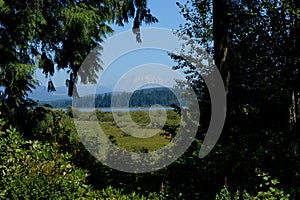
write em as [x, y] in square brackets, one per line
[168, 14]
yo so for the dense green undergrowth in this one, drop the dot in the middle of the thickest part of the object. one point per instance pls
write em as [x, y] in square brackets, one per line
[31, 169]
[50, 162]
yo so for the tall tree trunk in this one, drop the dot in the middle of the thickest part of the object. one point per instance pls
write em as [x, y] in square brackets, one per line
[221, 38]
[297, 89]
[294, 64]
[293, 107]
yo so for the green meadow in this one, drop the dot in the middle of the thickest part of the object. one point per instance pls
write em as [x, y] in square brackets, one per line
[136, 132]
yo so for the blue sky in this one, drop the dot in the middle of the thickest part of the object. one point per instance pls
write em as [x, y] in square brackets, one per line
[168, 14]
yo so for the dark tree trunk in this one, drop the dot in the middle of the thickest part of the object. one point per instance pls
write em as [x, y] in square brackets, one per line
[221, 38]
[297, 49]
[293, 65]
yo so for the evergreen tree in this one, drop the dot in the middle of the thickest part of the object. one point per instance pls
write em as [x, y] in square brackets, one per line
[54, 35]
[255, 45]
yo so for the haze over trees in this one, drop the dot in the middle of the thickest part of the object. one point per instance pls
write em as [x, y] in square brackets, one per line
[139, 98]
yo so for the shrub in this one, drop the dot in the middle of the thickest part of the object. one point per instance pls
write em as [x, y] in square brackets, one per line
[268, 191]
[35, 170]
[113, 193]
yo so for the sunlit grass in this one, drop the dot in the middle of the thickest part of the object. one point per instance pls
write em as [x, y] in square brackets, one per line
[133, 133]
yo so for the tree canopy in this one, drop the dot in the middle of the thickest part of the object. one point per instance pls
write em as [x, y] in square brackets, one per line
[255, 45]
[54, 35]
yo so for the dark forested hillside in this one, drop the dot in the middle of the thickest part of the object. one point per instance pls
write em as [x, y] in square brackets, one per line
[139, 98]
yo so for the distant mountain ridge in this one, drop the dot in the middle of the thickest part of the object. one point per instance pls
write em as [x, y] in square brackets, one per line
[139, 98]
[40, 93]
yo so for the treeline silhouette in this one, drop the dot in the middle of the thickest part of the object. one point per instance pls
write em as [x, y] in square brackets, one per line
[139, 98]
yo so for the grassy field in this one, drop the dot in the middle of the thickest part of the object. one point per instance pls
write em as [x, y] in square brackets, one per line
[141, 131]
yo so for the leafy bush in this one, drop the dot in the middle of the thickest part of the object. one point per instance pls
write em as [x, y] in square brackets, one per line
[34, 170]
[224, 194]
[113, 193]
[268, 191]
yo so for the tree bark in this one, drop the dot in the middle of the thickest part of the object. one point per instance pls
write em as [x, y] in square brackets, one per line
[221, 38]
[297, 85]
[294, 65]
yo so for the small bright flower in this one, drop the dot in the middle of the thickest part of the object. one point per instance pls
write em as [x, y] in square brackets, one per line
[162, 186]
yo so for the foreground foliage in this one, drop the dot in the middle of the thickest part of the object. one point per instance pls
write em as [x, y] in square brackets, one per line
[64, 169]
[32, 169]
[255, 45]
[268, 190]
